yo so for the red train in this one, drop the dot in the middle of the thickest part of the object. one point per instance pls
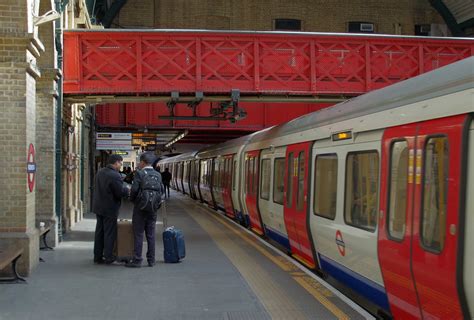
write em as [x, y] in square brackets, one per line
[376, 193]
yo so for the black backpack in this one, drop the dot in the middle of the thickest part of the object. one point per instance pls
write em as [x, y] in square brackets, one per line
[150, 191]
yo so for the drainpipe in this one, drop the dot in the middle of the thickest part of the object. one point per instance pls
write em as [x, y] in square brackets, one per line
[83, 141]
[59, 117]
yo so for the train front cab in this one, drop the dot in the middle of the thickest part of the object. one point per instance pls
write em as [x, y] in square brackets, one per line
[422, 235]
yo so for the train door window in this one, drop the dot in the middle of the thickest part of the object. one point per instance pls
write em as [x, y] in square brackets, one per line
[234, 175]
[224, 174]
[254, 177]
[435, 185]
[290, 181]
[325, 186]
[278, 180]
[397, 202]
[301, 176]
[265, 180]
[362, 189]
[247, 169]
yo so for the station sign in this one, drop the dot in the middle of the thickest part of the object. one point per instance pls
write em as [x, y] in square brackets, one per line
[123, 153]
[121, 141]
[114, 145]
[113, 136]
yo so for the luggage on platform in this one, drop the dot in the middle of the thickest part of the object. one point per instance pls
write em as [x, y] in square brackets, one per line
[173, 243]
[124, 244]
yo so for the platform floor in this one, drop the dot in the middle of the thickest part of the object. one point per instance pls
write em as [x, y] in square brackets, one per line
[228, 273]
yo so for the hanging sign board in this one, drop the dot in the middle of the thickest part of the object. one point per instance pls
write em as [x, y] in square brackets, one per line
[113, 136]
[114, 145]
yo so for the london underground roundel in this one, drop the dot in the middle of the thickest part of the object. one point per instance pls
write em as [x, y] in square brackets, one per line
[31, 167]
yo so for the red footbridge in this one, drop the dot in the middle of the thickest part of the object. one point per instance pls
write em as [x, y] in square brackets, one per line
[236, 80]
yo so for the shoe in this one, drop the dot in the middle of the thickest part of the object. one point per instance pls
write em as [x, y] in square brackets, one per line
[99, 261]
[134, 264]
[113, 263]
[151, 263]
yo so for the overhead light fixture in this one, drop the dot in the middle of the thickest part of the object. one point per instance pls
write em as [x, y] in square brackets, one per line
[176, 139]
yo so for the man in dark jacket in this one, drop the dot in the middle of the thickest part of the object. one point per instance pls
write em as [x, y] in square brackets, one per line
[146, 180]
[166, 176]
[108, 193]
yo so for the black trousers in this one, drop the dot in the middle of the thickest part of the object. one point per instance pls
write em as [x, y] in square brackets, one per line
[105, 237]
[167, 188]
[144, 222]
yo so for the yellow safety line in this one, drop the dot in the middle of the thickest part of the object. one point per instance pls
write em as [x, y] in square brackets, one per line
[274, 298]
[288, 267]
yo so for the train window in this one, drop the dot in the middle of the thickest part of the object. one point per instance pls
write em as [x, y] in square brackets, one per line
[251, 182]
[234, 175]
[290, 181]
[362, 170]
[301, 176]
[255, 177]
[246, 175]
[325, 186]
[435, 186]
[278, 180]
[265, 180]
[397, 203]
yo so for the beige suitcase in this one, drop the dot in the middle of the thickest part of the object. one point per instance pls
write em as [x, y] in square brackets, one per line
[124, 244]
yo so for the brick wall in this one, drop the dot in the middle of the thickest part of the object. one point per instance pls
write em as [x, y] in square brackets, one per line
[316, 15]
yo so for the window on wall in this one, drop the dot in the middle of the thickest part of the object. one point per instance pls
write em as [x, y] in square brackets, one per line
[301, 176]
[265, 179]
[397, 203]
[435, 186]
[287, 24]
[362, 189]
[278, 180]
[360, 27]
[290, 180]
[325, 186]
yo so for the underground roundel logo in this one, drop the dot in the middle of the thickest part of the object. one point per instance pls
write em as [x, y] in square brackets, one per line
[31, 167]
[341, 246]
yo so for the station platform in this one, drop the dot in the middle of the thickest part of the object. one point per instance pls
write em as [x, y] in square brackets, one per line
[228, 273]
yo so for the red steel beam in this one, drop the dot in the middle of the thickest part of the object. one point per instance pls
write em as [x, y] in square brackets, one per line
[129, 62]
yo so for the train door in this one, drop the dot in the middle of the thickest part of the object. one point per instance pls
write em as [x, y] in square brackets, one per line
[295, 209]
[227, 186]
[197, 180]
[181, 177]
[251, 190]
[436, 217]
[396, 219]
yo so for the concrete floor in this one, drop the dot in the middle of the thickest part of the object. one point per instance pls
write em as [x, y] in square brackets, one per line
[222, 277]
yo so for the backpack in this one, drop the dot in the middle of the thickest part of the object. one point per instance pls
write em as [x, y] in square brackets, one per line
[150, 191]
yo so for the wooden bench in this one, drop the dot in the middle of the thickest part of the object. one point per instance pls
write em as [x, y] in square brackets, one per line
[43, 232]
[11, 256]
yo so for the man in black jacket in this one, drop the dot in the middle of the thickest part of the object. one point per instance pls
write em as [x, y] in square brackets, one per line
[146, 180]
[108, 193]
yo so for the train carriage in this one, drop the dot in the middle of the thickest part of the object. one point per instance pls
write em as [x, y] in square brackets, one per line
[375, 192]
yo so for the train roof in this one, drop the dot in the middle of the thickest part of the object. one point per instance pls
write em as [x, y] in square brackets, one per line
[230, 146]
[181, 157]
[452, 78]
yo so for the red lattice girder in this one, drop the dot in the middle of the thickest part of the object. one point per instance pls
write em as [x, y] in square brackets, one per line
[158, 62]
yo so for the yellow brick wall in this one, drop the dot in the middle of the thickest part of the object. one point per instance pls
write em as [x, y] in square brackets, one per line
[316, 15]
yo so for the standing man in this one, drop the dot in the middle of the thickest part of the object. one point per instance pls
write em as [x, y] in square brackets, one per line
[146, 196]
[166, 176]
[107, 198]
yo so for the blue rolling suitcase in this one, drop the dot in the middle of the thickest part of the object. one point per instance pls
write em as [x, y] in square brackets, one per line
[173, 243]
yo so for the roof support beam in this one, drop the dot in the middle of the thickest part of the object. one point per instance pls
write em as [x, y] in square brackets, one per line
[448, 18]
